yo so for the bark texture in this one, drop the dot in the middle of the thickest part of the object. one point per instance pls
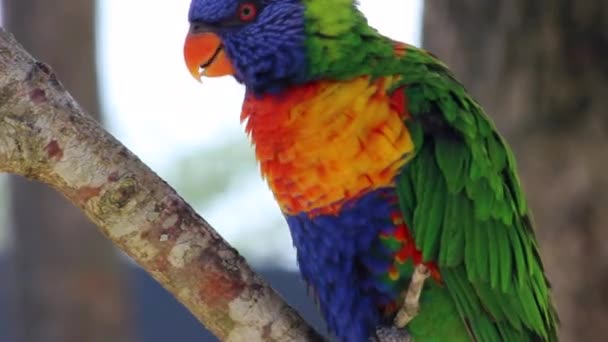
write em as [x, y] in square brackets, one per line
[45, 136]
[69, 285]
[540, 69]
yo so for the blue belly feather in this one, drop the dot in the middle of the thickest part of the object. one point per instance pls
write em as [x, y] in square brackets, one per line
[341, 258]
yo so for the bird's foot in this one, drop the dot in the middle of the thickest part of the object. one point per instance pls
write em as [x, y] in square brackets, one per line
[409, 310]
[411, 305]
[391, 334]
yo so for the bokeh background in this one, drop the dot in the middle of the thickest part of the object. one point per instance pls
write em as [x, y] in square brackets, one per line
[540, 68]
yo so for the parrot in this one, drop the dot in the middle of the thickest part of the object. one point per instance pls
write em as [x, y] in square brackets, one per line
[381, 163]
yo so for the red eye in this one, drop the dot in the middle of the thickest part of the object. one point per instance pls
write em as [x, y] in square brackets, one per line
[247, 11]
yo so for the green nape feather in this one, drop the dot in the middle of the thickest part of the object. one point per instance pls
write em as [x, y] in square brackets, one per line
[462, 199]
[340, 44]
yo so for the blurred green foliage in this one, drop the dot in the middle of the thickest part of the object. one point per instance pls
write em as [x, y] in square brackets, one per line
[204, 174]
[203, 178]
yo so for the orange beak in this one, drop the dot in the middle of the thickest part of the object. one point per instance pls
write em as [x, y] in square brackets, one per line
[205, 56]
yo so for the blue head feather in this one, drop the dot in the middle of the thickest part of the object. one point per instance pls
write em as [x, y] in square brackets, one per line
[267, 53]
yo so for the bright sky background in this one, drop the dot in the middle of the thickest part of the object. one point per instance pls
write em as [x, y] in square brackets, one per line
[159, 112]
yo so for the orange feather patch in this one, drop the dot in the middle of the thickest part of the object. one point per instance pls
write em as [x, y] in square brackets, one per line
[323, 143]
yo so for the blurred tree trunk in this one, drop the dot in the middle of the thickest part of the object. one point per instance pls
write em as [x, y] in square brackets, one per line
[70, 285]
[540, 69]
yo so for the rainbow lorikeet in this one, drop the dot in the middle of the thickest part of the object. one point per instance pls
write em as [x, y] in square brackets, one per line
[380, 161]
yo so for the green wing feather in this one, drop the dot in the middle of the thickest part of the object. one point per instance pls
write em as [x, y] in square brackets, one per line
[463, 201]
[460, 194]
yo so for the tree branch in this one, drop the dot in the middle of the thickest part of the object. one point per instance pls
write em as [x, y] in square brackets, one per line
[45, 136]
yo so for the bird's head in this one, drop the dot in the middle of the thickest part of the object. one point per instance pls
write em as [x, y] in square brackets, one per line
[268, 44]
